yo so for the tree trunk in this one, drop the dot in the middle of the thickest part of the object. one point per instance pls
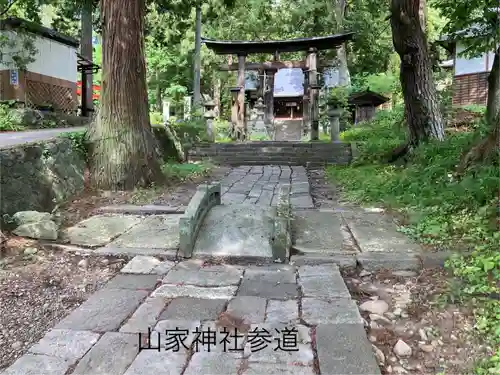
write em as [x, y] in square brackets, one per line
[124, 152]
[159, 99]
[493, 104]
[488, 146]
[86, 50]
[344, 76]
[217, 93]
[423, 113]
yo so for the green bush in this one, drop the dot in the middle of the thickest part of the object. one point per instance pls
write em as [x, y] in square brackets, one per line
[80, 142]
[179, 172]
[442, 208]
[8, 120]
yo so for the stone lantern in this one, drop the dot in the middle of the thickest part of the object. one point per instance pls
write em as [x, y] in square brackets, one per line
[209, 116]
[259, 127]
[334, 111]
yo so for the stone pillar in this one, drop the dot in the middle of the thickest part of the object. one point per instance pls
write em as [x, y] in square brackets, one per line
[234, 109]
[334, 113]
[209, 117]
[187, 107]
[269, 96]
[241, 123]
[313, 82]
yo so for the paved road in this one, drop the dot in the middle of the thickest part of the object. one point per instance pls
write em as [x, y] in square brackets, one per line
[15, 138]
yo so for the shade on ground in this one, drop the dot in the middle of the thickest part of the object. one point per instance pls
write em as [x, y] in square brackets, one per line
[236, 231]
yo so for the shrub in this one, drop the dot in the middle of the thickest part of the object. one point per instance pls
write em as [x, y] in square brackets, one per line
[442, 208]
[8, 120]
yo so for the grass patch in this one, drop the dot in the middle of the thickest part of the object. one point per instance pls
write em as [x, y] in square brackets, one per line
[442, 209]
[181, 172]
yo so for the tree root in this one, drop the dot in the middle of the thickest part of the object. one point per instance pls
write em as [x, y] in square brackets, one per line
[398, 153]
[484, 150]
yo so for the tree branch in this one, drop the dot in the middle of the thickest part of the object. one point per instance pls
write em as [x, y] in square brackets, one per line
[8, 8]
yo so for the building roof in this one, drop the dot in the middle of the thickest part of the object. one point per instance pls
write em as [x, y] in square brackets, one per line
[19, 23]
[367, 97]
[229, 47]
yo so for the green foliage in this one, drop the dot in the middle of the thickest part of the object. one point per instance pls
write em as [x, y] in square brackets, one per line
[80, 142]
[8, 121]
[443, 209]
[375, 139]
[189, 131]
[181, 172]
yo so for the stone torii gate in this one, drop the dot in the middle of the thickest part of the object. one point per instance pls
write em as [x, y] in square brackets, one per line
[310, 66]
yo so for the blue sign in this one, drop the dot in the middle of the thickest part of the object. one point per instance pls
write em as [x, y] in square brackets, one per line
[14, 77]
[95, 41]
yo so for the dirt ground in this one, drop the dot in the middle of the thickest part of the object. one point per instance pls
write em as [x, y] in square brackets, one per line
[39, 286]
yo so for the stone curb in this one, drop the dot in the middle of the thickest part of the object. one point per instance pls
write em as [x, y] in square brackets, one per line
[281, 240]
[130, 209]
[206, 197]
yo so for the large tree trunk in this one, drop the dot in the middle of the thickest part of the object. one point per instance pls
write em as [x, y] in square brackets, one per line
[124, 153]
[422, 110]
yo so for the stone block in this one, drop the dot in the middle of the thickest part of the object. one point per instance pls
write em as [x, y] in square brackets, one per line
[189, 308]
[141, 264]
[344, 349]
[313, 259]
[155, 232]
[174, 291]
[259, 368]
[282, 312]
[206, 197]
[223, 339]
[134, 282]
[105, 310]
[152, 362]
[66, 344]
[251, 309]
[268, 290]
[224, 275]
[271, 274]
[145, 316]
[175, 336]
[396, 261]
[30, 364]
[112, 355]
[213, 363]
[341, 311]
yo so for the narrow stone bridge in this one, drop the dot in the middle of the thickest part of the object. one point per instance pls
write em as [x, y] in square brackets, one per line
[251, 260]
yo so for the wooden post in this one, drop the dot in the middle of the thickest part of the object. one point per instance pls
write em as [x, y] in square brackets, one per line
[241, 98]
[269, 96]
[313, 82]
[306, 110]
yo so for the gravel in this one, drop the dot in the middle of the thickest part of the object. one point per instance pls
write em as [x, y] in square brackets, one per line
[39, 288]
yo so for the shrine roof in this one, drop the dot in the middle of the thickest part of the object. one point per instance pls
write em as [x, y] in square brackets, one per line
[19, 23]
[367, 97]
[229, 47]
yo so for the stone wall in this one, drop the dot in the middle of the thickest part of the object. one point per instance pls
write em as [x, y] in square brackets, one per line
[274, 153]
[36, 176]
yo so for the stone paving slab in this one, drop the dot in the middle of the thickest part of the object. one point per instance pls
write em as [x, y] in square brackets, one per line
[344, 349]
[141, 264]
[314, 259]
[269, 290]
[318, 232]
[66, 344]
[208, 276]
[104, 311]
[133, 282]
[236, 231]
[112, 250]
[324, 281]
[30, 364]
[189, 308]
[396, 261]
[158, 232]
[340, 311]
[100, 229]
[376, 233]
[174, 291]
[213, 363]
[145, 316]
[282, 312]
[250, 308]
[132, 209]
[150, 362]
[112, 355]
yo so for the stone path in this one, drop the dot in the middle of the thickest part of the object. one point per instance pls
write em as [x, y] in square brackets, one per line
[194, 311]
[287, 130]
[215, 318]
